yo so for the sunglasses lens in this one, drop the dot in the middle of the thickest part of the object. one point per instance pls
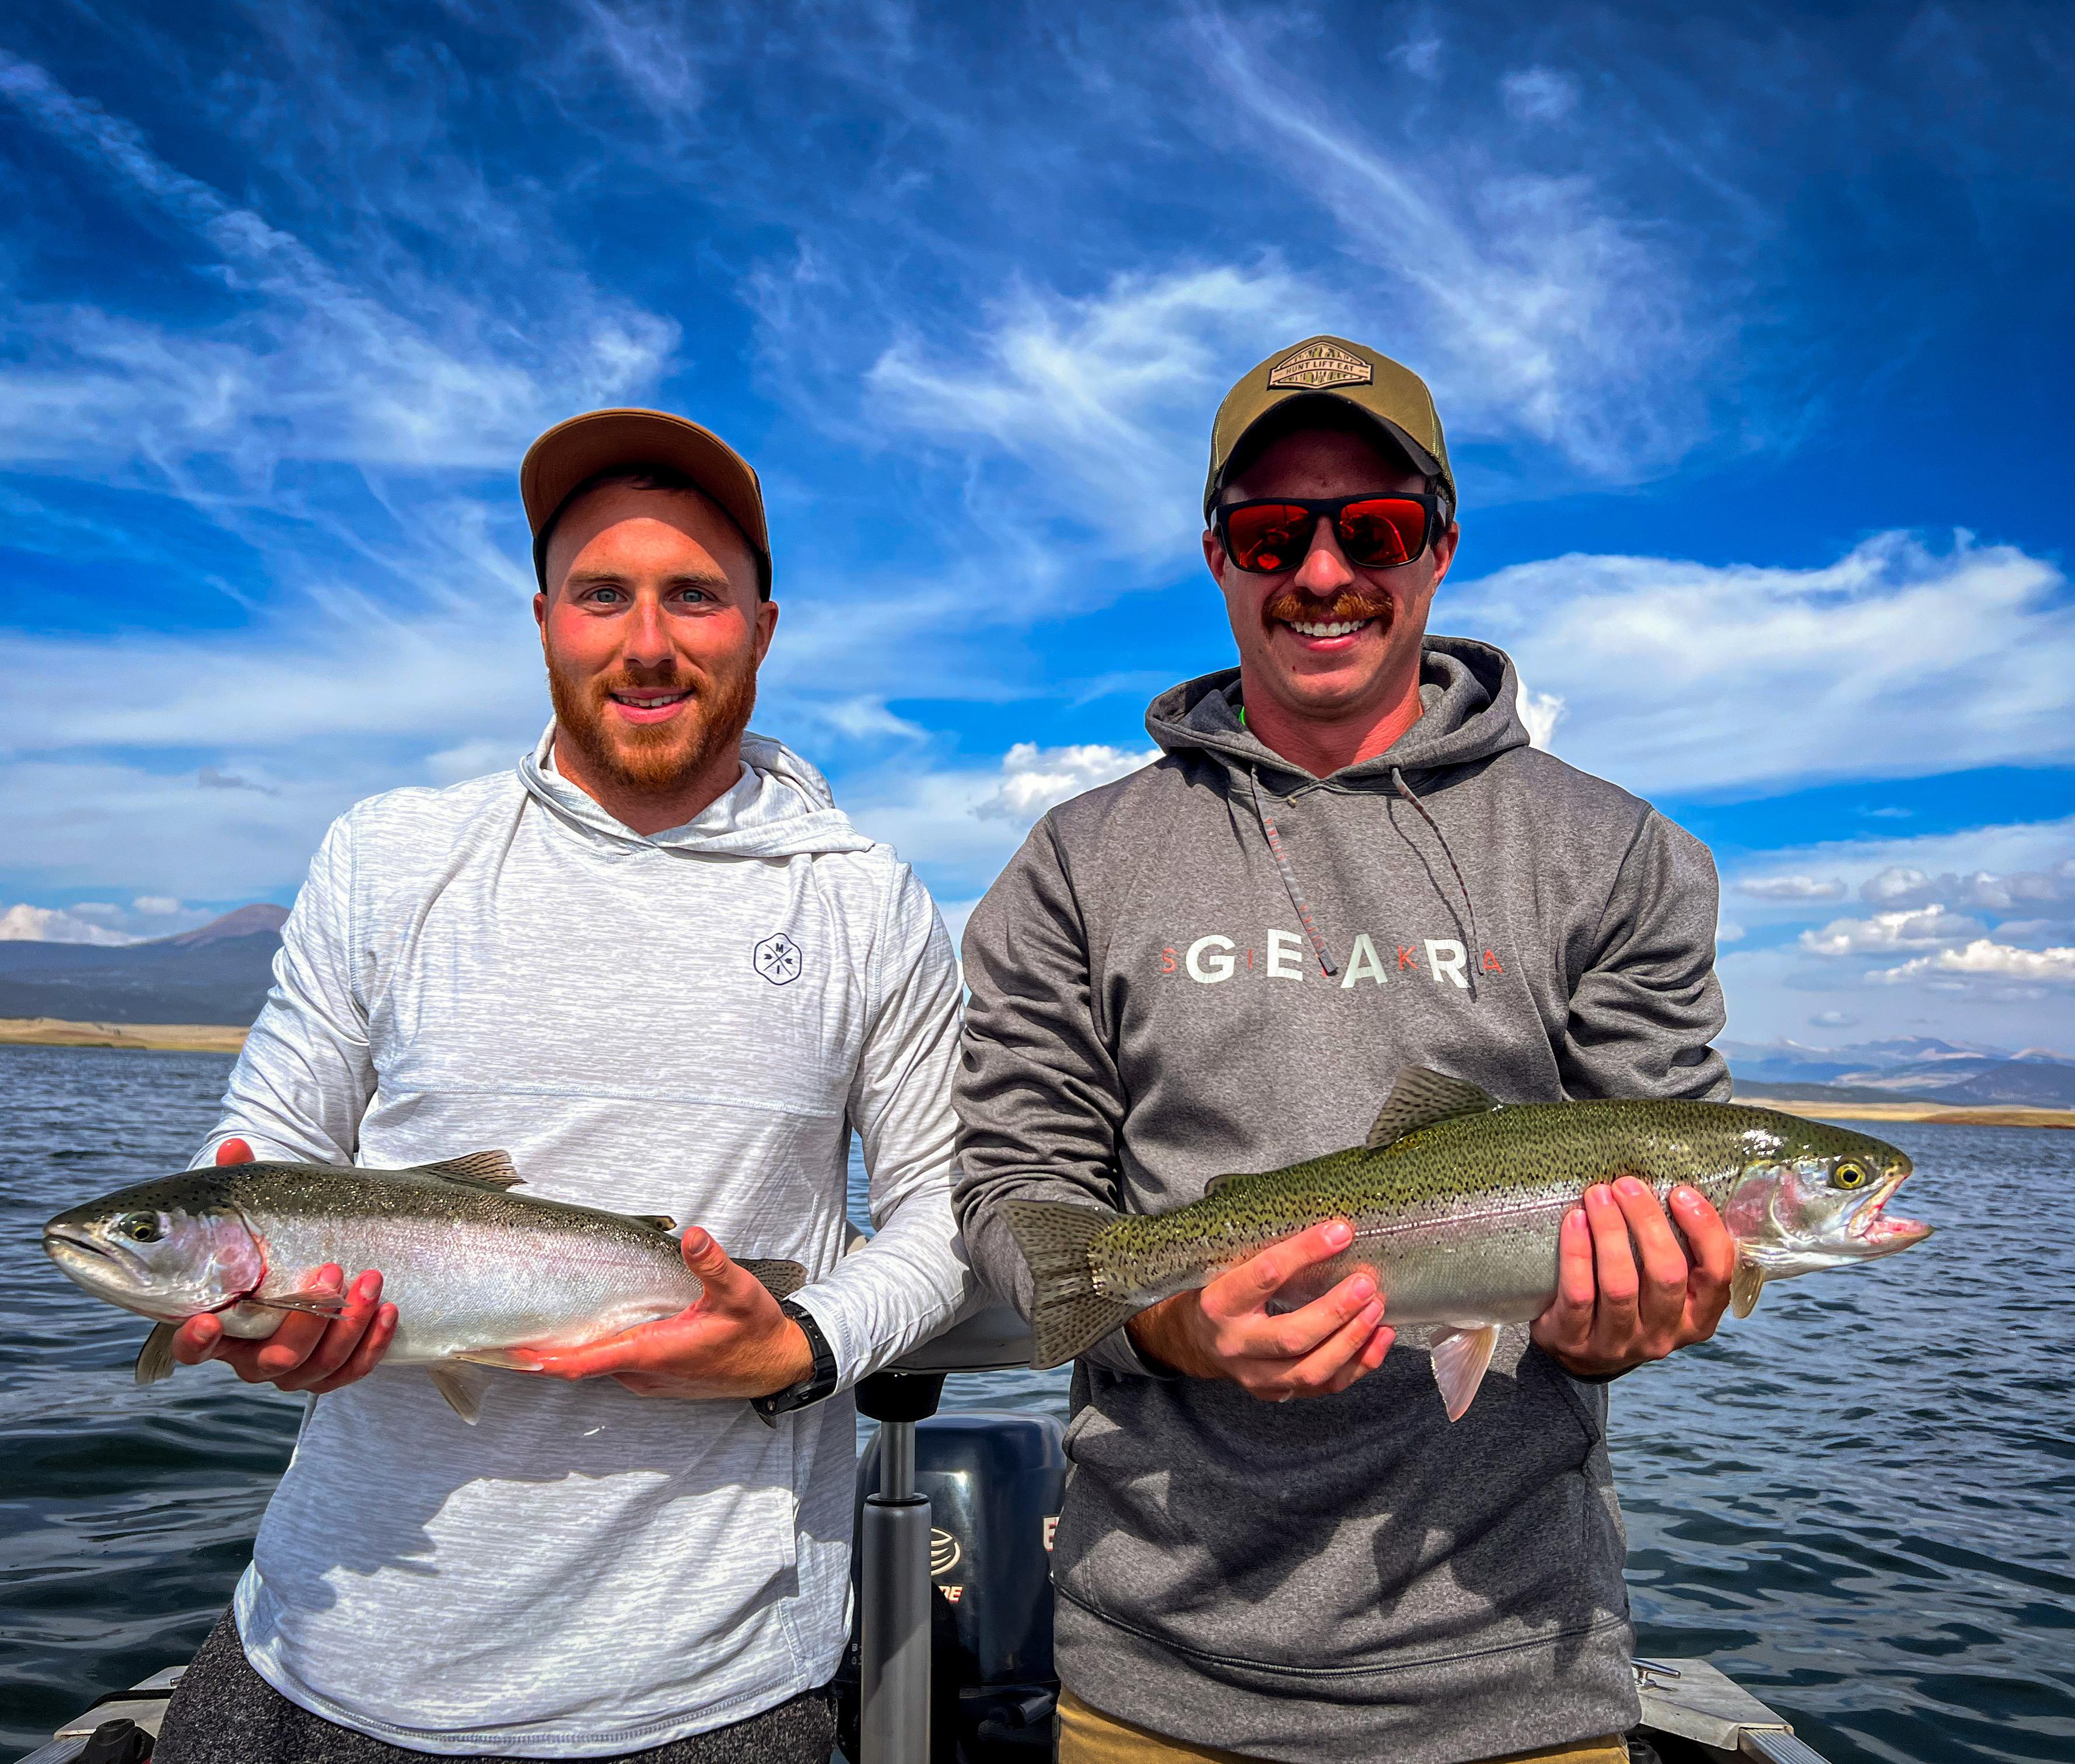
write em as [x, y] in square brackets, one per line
[1381, 531]
[1268, 536]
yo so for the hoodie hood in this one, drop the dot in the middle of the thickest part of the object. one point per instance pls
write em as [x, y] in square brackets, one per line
[1468, 691]
[780, 807]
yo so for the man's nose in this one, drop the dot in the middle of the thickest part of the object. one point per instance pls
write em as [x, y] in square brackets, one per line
[645, 639]
[1324, 571]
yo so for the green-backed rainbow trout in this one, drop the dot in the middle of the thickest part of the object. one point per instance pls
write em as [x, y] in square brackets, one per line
[1457, 1203]
[473, 1271]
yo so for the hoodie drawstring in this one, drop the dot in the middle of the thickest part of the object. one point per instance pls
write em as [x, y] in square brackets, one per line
[1319, 949]
[1469, 909]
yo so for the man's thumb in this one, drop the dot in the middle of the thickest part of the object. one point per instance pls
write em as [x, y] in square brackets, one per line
[705, 1258]
[233, 1151]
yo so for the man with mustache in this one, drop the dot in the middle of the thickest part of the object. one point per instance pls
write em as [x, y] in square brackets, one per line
[658, 965]
[1349, 860]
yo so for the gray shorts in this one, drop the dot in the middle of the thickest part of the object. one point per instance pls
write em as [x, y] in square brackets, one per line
[223, 1712]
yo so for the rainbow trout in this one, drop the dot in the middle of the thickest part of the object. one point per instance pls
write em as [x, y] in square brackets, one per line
[473, 1271]
[1457, 1203]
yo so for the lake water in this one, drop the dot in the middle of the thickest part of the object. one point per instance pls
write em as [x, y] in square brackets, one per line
[1859, 1502]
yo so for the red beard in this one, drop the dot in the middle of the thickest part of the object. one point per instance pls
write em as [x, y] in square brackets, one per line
[654, 758]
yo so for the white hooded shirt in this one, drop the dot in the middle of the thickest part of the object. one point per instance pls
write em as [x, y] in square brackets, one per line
[691, 1024]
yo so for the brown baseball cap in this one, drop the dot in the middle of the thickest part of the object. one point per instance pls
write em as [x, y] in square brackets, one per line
[573, 452]
[1389, 394]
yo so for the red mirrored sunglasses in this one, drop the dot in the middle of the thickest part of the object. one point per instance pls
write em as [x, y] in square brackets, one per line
[1377, 532]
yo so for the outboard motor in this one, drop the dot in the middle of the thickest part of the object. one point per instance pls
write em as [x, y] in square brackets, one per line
[993, 1480]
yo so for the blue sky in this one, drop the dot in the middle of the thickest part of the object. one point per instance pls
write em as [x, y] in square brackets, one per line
[1749, 326]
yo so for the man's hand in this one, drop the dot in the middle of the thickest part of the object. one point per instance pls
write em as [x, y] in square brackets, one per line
[735, 1342]
[1226, 1330]
[1609, 1315]
[305, 1353]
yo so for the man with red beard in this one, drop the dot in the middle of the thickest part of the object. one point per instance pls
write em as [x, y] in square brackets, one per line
[1349, 860]
[657, 965]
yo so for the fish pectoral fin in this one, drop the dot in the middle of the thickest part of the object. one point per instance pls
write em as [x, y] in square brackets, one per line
[155, 1359]
[313, 1301]
[1421, 1098]
[484, 1169]
[780, 1279]
[463, 1393]
[1461, 1357]
[1745, 1284]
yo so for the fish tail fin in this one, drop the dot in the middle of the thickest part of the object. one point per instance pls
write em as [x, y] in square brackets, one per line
[155, 1359]
[1067, 1315]
[780, 1279]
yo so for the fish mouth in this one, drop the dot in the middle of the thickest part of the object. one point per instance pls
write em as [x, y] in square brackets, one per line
[86, 1259]
[1881, 1235]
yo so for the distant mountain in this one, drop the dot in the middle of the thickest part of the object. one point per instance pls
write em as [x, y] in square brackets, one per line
[216, 973]
[1905, 1068]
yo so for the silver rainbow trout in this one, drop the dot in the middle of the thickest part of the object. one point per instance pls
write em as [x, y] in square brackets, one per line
[1457, 1203]
[473, 1271]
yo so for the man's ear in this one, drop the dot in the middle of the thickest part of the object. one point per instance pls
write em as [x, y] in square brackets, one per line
[1214, 556]
[767, 622]
[1445, 542]
[540, 612]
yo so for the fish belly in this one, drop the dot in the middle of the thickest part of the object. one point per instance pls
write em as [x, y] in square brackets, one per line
[1448, 1272]
[458, 1287]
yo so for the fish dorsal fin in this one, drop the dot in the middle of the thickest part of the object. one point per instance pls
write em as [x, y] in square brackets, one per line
[1421, 1098]
[486, 1169]
[659, 1221]
[1226, 1181]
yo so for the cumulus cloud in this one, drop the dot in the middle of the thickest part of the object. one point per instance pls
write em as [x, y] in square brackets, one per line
[1693, 677]
[1985, 958]
[1035, 779]
[23, 923]
[1907, 930]
[2023, 890]
[1792, 887]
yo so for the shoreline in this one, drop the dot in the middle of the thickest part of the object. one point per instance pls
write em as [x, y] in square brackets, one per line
[144, 1037]
[1944, 1114]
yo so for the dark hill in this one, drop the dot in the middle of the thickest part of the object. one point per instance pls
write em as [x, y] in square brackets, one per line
[216, 973]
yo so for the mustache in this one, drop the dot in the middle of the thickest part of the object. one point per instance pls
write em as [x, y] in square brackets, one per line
[1290, 605]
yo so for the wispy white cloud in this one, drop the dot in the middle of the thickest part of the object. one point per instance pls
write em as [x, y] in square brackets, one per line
[1896, 660]
[1106, 399]
[314, 364]
[1792, 887]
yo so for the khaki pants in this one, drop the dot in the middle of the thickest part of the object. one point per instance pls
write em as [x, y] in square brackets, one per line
[1087, 1735]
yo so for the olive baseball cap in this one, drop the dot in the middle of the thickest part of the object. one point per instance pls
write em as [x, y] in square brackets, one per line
[573, 452]
[1389, 394]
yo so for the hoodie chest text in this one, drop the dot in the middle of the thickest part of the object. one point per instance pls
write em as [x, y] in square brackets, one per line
[1267, 954]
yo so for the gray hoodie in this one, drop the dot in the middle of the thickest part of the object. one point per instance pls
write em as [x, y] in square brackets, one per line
[1219, 963]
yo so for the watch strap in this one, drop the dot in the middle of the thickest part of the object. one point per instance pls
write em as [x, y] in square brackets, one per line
[819, 1383]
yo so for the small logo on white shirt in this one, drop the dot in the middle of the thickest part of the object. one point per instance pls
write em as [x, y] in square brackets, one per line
[777, 959]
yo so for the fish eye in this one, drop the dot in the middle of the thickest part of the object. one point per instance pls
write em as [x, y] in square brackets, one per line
[140, 1228]
[1849, 1176]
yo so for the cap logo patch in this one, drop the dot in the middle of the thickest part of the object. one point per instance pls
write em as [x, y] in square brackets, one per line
[1321, 364]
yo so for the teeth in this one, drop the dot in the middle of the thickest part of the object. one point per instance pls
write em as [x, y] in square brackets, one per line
[1339, 628]
[649, 704]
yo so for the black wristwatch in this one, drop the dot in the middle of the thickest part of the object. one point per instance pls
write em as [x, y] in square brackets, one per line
[819, 1383]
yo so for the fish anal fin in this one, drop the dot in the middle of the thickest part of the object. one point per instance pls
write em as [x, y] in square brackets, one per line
[155, 1359]
[312, 1302]
[1461, 1357]
[1421, 1098]
[464, 1396]
[1745, 1284]
[780, 1279]
[485, 1169]
[658, 1221]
